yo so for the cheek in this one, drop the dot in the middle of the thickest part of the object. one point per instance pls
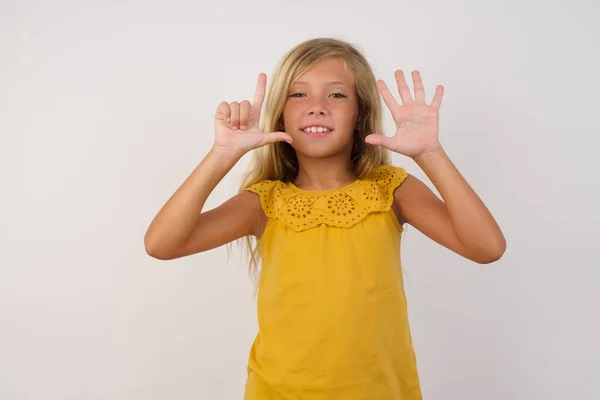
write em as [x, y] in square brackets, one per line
[346, 115]
[290, 113]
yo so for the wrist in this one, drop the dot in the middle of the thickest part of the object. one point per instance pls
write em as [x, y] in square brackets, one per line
[428, 154]
[226, 154]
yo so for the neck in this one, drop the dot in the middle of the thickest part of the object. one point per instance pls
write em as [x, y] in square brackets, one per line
[324, 173]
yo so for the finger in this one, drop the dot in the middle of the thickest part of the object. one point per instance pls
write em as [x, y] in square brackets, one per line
[244, 114]
[274, 137]
[402, 87]
[418, 86]
[235, 115]
[437, 98]
[378, 140]
[223, 113]
[388, 98]
[258, 99]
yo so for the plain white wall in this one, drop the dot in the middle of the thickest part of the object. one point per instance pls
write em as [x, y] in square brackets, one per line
[106, 107]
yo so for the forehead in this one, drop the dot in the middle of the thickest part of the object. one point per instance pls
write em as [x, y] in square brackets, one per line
[330, 71]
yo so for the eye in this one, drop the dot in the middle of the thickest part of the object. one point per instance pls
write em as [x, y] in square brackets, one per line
[296, 94]
[339, 95]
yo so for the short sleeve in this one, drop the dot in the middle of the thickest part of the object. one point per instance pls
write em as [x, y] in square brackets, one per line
[265, 190]
[381, 183]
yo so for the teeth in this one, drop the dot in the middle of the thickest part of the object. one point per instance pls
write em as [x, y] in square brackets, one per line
[316, 129]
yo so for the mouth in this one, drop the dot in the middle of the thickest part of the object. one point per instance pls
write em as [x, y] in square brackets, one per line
[317, 130]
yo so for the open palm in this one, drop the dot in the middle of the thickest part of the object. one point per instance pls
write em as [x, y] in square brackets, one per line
[417, 124]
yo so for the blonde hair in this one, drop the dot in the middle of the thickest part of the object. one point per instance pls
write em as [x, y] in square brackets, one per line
[278, 161]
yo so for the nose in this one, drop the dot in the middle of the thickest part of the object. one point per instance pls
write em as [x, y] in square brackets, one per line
[317, 108]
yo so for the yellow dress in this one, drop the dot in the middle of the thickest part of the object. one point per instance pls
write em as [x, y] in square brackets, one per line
[332, 312]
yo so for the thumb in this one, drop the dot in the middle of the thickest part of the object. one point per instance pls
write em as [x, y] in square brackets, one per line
[221, 123]
[274, 137]
[377, 140]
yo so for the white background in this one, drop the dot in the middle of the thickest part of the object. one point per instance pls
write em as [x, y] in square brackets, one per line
[106, 107]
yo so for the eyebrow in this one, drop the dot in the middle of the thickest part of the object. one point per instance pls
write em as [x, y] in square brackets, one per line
[328, 83]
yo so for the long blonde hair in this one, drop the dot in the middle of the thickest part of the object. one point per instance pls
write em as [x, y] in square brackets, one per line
[278, 161]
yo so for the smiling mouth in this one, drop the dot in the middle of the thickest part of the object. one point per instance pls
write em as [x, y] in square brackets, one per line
[317, 131]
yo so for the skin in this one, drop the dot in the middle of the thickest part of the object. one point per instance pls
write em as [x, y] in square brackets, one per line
[459, 220]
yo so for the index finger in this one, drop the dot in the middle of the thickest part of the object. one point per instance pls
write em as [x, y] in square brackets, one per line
[259, 97]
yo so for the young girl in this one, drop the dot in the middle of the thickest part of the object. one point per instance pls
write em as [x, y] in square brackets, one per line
[328, 211]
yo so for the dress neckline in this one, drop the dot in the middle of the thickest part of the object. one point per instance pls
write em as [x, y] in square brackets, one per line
[325, 191]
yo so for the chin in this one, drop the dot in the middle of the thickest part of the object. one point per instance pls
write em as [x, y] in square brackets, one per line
[321, 150]
[315, 153]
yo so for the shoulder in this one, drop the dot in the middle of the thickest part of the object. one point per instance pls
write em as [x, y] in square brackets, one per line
[263, 187]
[248, 199]
[386, 175]
[268, 192]
[387, 179]
[260, 198]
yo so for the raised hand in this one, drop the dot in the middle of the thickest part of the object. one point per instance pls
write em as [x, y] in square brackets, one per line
[417, 124]
[236, 124]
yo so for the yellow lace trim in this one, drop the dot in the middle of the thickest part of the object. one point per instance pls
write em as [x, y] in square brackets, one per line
[304, 209]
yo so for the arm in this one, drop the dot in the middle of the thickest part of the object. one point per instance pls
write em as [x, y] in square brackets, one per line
[461, 222]
[181, 228]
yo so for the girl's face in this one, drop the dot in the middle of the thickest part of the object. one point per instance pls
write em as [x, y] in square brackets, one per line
[321, 110]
